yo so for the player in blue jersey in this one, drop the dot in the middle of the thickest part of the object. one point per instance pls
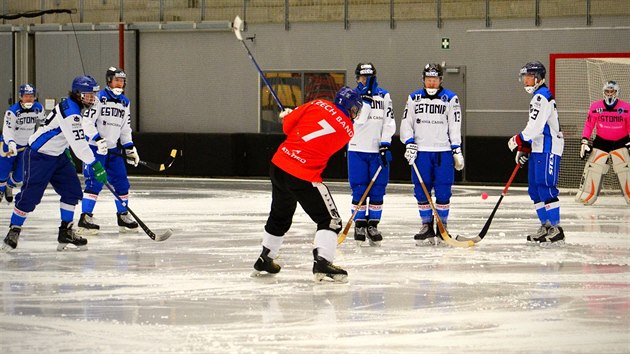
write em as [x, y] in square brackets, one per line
[106, 124]
[368, 149]
[431, 132]
[46, 160]
[541, 143]
[20, 121]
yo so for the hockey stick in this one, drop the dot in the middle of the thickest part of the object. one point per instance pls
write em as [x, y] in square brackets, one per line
[445, 236]
[485, 228]
[153, 165]
[342, 236]
[144, 227]
[237, 28]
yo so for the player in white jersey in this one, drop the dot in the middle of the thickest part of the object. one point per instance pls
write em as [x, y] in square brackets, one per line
[368, 149]
[541, 143]
[45, 161]
[431, 132]
[20, 121]
[106, 124]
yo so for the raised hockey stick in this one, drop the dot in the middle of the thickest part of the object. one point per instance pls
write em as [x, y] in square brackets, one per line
[154, 165]
[144, 227]
[485, 228]
[237, 27]
[342, 236]
[445, 236]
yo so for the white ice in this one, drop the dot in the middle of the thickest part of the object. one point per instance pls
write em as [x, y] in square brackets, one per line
[193, 293]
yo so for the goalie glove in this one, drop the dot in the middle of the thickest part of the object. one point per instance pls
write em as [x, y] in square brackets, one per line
[132, 156]
[411, 152]
[101, 145]
[585, 149]
[458, 158]
[284, 114]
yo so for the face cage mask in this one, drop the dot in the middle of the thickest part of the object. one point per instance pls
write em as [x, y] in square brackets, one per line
[532, 89]
[432, 91]
[88, 99]
[610, 99]
[27, 105]
[117, 91]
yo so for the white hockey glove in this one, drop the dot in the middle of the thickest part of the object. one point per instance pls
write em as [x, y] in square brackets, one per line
[132, 156]
[101, 144]
[585, 149]
[284, 114]
[521, 158]
[411, 152]
[458, 158]
[628, 146]
[12, 148]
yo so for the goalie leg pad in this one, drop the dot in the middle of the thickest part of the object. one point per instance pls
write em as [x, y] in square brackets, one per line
[621, 166]
[591, 182]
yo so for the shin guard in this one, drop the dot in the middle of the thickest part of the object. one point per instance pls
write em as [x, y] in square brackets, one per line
[591, 183]
[621, 166]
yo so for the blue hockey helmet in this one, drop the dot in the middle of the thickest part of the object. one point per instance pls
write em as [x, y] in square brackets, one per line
[535, 68]
[27, 89]
[349, 101]
[84, 84]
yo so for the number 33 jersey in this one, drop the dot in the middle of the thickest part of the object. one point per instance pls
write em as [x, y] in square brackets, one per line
[315, 131]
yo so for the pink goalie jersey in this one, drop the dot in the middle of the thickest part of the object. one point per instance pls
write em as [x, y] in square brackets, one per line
[611, 123]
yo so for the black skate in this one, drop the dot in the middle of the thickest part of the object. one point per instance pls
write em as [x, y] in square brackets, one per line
[11, 241]
[426, 236]
[360, 231]
[554, 237]
[67, 236]
[2, 194]
[8, 194]
[126, 223]
[373, 234]
[322, 268]
[265, 264]
[542, 231]
[87, 225]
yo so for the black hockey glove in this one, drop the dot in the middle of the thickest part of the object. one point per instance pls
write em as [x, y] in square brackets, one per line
[386, 155]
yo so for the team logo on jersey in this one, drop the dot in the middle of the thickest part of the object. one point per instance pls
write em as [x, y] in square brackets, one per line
[444, 98]
[598, 110]
[77, 118]
[620, 110]
[538, 98]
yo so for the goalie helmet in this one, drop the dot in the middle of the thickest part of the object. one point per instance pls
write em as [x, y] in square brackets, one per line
[432, 70]
[366, 69]
[27, 89]
[536, 69]
[84, 88]
[349, 101]
[610, 91]
[113, 72]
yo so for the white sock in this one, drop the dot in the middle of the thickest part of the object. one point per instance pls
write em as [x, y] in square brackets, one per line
[326, 244]
[273, 243]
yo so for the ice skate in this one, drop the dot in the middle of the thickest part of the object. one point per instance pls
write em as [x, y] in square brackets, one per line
[126, 224]
[1, 195]
[554, 237]
[533, 239]
[426, 236]
[322, 268]
[11, 240]
[265, 264]
[67, 236]
[87, 225]
[8, 194]
[374, 236]
[360, 232]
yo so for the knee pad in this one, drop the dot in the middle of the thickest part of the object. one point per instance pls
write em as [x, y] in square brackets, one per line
[591, 183]
[621, 166]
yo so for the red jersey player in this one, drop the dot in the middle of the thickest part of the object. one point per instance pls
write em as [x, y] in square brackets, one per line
[315, 131]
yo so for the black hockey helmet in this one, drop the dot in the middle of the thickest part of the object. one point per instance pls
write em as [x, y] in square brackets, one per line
[366, 69]
[113, 72]
[432, 70]
[535, 68]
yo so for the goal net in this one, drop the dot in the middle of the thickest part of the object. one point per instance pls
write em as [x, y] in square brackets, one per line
[576, 80]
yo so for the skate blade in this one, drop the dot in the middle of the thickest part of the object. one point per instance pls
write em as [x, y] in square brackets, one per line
[126, 230]
[557, 244]
[65, 247]
[429, 242]
[375, 243]
[262, 274]
[359, 243]
[330, 278]
[87, 232]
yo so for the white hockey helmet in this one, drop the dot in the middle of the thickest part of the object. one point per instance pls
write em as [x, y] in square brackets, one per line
[610, 91]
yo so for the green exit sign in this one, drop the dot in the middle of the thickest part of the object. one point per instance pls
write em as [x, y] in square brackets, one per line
[446, 43]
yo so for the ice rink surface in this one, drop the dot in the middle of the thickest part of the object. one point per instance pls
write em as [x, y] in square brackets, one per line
[193, 293]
